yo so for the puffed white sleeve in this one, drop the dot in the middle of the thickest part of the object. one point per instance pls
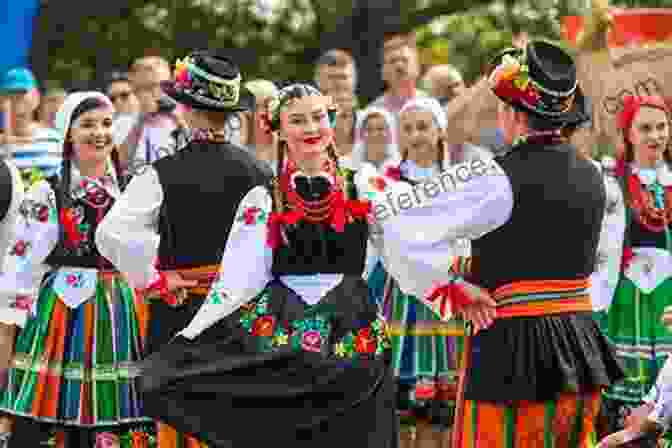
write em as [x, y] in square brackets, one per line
[365, 176]
[8, 223]
[128, 235]
[418, 227]
[246, 264]
[35, 235]
[610, 247]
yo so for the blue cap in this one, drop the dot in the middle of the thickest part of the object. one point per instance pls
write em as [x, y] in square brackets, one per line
[17, 80]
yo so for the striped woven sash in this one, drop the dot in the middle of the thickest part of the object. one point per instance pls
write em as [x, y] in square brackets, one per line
[533, 298]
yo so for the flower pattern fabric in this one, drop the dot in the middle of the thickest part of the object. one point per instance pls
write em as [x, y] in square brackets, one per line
[311, 333]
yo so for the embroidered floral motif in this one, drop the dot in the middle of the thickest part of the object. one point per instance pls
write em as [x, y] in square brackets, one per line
[20, 248]
[311, 333]
[374, 339]
[311, 341]
[253, 215]
[35, 211]
[263, 326]
[393, 172]
[23, 303]
[378, 183]
[74, 280]
[31, 176]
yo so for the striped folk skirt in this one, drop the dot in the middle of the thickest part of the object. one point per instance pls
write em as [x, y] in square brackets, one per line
[633, 324]
[567, 422]
[425, 358]
[79, 367]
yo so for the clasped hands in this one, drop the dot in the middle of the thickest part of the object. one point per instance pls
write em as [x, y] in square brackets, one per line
[481, 311]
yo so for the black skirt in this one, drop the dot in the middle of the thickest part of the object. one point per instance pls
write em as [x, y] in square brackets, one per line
[536, 358]
[282, 372]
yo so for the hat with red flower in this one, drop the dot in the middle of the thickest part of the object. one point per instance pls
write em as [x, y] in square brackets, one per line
[209, 80]
[541, 80]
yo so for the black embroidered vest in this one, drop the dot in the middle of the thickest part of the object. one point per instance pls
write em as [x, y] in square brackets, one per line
[83, 253]
[558, 207]
[319, 249]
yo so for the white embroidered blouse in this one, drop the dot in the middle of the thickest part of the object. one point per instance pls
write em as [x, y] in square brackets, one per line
[36, 234]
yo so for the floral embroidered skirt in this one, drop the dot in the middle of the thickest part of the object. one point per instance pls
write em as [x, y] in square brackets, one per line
[281, 372]
[425, 358]
[79, 367]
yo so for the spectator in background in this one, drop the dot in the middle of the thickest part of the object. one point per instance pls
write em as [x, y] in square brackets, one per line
[258, 139]
[335, 72]
[119, 89]
[35, 149]
[400, 72]
[147, 136]
[52, 100]
[345, 126]
[443, 82]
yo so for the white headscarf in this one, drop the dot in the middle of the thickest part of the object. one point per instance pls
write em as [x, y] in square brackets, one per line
[430, 105]
[64, 114]
[359, 152]
[63, 123]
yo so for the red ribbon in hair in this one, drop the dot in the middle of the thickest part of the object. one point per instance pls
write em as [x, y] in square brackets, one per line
[632, 104]
[619, 170]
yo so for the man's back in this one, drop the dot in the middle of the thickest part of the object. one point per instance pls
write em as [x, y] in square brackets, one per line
[203, 185]
[558, 208]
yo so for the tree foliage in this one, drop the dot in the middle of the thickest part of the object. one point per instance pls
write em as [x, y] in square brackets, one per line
[277, 39]
[468, 40]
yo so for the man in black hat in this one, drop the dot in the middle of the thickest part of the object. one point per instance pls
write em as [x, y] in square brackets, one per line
[536, 361]
[168, 231]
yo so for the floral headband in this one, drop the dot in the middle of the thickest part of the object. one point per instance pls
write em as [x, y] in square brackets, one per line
[510, 80]
[276, 104]
[202, 84]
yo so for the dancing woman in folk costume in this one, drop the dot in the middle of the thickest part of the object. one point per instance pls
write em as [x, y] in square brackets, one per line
[153, 233]
[75, 365]
[287, 346]
[537, 361]
[425, 354]
[633, 322]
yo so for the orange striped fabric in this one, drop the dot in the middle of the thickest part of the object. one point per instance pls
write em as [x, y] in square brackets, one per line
[564, 423]
[533, 298]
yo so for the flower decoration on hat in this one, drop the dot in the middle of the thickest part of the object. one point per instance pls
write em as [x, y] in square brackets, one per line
[510, 79]
[205, 86]
[182, 76]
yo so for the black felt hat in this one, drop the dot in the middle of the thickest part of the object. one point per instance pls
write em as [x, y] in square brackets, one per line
[540, 80]
[209, 80]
